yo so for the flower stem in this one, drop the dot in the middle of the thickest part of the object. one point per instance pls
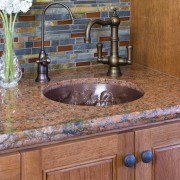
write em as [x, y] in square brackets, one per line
[14, 22]
[8, 24]
[2, 16]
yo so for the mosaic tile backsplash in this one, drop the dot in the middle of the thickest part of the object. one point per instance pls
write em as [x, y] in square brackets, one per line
[64, 39]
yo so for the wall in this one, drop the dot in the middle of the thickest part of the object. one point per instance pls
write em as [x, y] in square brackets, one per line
[155, 28]
[64, 39]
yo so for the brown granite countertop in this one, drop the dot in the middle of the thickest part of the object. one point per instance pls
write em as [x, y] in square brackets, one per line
[29, 118]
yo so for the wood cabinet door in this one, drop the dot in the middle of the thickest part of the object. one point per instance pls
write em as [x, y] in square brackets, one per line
[93, 158]
[164, 142]
[10, 167]
[100, 170]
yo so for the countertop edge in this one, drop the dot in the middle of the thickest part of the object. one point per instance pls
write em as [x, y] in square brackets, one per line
[82, 128]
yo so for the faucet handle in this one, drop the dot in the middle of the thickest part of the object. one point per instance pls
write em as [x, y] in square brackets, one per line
[44, 60]
[114, 11]
[99, 50]
[129, 54]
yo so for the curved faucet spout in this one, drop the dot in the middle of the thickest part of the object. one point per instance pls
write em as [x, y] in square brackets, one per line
[44, 60]
[87, 38]
[43, 20]
[113, 60]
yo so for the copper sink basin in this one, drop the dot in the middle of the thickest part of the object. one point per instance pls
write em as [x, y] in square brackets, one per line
[93, 92]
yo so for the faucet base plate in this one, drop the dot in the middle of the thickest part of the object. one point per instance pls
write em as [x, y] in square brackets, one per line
[114, 72]
[42, 78]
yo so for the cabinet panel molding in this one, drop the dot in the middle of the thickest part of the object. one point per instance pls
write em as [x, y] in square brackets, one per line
[102, 170]
[168, 163]
[164, 142]
[86, 159]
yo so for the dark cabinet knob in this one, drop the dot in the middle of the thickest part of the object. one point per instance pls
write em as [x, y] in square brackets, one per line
[129, 160]
[147, 156]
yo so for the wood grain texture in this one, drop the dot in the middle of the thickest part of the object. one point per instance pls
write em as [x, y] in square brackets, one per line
[79, 151]
[102, 170]
[168, 163]
[95, 158]
[31, 167]
[163, 141]
[155, 27]
[125, 146]
[87, 159]
[10, 167]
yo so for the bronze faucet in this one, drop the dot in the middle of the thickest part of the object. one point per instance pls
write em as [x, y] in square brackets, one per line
[114, 61]
[44, 60]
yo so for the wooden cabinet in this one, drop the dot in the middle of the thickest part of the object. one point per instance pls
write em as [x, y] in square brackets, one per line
[98, 158]
[164, 142]
[101, 158]
[10, 167]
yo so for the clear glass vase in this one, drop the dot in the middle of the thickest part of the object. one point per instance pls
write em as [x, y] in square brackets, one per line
[10, 71]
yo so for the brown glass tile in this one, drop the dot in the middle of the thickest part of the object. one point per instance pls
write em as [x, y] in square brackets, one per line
[27, 18]
[124, 18]
[22, 30]
[93, 15]
[65, 48]
[32, 60]
[19, 45]
[123, 43]
[15, 39]
[77, 35]
[83, 63]
[102, 39]
[1, 52]
[103, 54]
[64, 22]
[1, 40]
[22, 61]
[38, 43]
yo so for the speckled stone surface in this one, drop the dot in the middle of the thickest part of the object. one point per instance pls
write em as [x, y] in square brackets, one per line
[28, 118]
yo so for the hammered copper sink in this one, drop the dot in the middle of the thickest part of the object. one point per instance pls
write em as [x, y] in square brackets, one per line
[93, 92]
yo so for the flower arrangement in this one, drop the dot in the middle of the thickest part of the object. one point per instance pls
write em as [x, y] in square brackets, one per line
[8, 13]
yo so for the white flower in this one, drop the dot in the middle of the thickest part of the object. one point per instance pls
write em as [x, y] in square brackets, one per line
[3, 5]
[9, 6]
[6, 6]
[25, 5]
[15, 6]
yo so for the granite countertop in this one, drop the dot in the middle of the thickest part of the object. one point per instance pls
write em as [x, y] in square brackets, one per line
[29, 118]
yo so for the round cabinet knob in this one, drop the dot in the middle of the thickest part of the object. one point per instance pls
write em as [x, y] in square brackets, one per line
[147, 156]
[129, 160]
